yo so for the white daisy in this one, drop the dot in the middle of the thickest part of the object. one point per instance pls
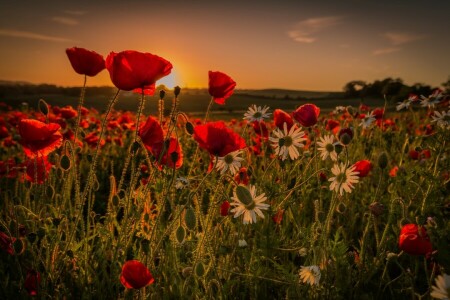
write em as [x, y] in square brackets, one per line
[404, 104]
[326, 147]
[242, 243]
[442, 119]
[433, 99]
[181, 183]
[231, 162]
[310, 275]
[246, 203]
[344, 178]
[367, 121]
[287, 143]
[339, 109]
[442, 288]
[257, 113]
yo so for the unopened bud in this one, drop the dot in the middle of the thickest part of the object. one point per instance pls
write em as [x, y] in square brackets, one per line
[190, 128]
[162, 93]
[383, 160]
[176, 90]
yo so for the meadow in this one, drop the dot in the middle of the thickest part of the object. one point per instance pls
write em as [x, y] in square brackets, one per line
[289, 201]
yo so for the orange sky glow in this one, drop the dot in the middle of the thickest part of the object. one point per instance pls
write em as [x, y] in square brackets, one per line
[260, 44]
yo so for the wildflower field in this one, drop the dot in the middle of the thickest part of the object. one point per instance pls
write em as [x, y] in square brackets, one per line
[277, 204]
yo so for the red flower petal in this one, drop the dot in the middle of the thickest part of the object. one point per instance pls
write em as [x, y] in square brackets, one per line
[38, 138]
[217, 139]
[221, 86]
[414, 241]
[307, 115]
[135, 275]
[85, 62]
[130, 69]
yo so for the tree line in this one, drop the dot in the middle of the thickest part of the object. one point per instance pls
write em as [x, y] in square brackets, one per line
[394, 88]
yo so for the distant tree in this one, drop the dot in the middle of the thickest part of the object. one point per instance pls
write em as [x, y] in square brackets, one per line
[421, 89]
[354, 88]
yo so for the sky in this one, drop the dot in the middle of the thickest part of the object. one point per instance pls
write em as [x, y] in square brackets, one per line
[305, 45]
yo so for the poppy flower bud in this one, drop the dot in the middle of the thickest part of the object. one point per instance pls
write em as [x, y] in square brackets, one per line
[43, 107]
[176, 90]
[350, 110]
[190, 128]
[376, 208]
[162, 93]
[224, 208]
[345, 136]
[174, 156]
[383, 160]
[190, 219]
[338, 148]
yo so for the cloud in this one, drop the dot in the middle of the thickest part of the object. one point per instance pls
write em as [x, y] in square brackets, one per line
[385, 50]
[400, 38]
[33, 36]
[396, 39]
[75, 12]
[305, 31]
[65, 21]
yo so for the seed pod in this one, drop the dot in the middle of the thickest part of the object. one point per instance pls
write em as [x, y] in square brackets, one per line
[383, 160]
[190, 128]
[243, 194]
[176, 90]
[180, 234]
[199, 269]
[65, 162]
[43, 107]
[190, 219]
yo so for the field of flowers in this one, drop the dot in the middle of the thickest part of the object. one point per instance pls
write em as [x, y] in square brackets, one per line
[352, 204]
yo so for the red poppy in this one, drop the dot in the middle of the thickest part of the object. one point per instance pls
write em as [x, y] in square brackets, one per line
[260, 129]
[393, 172]
[364, 108]
[149, 90]
[425, 154]
[37, 169]
[278, 217]
[217, 139]
[172, 156]
[307, 115]
[151, 133]
[414, 240]
[135, 275]
[4, 133]
[224, 208]
[6, 243]
[241, 177]
[92, 139]
[32, 282]
[378, 113]
[221, 86]
[131, 69]
[363, 167]
[345, 135]
[38, 138]
[332, 125]
[68, 112]
[280, 117]
[85, 62]
[413, 154]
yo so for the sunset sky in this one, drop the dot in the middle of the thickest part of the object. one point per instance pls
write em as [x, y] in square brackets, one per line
[309, 45]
